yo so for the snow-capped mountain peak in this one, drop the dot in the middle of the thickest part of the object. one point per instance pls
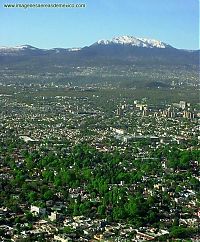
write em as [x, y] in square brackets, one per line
[133, 41]
[18, 47]
[103, 42]
[17, 50]
[154, 43]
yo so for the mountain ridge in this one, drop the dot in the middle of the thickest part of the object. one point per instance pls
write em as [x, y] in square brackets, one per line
[119, 42]
[124, 40]
[125, 51]
[134, 41]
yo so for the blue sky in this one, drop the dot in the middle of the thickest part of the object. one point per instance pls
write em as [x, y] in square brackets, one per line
[175, 22]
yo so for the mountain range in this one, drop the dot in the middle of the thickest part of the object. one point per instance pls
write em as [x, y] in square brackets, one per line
[120, 53]
[120, 47]
[125, 41]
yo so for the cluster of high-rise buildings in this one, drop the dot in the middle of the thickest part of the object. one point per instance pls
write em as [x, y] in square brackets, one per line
[181, 109]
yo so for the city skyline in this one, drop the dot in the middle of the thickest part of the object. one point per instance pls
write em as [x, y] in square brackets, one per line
[173, 22]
